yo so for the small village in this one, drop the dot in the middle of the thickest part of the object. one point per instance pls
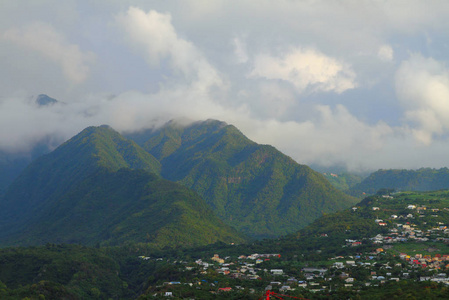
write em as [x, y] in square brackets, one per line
[351, 272]
[383, 263]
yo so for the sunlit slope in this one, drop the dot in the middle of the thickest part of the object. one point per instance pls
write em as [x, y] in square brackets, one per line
[253, 187]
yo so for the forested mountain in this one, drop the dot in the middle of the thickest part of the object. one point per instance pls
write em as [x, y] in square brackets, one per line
[100, 188]
[425, 179]
[253, 187]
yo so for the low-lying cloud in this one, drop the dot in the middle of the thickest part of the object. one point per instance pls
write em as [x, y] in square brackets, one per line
[325, 83]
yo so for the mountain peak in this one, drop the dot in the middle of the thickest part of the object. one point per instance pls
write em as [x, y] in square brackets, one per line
[253, 187]
[44, 100]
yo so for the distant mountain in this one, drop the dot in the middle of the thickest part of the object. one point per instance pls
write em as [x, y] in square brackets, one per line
[44, 100]
[99, 187]
[425, 179]
[343, 181]
[253, 187]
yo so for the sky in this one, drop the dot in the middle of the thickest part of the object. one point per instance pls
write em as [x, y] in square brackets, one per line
[358, 84]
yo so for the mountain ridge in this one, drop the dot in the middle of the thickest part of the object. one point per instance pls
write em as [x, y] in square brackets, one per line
[424, 179]
[96, 185]
[253, 187]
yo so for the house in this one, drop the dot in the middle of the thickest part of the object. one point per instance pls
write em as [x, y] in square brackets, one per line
[338, 265]
[292, 280]
[394, 279]
[225, 289]
[277, 271]
[168, 294]
[312, 270]
[217, 259]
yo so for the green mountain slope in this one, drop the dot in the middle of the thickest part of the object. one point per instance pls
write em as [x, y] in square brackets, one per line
[425, 179]
[60, 272]
[52, 174]
[253, 187]
[113, 208]
[97, 188]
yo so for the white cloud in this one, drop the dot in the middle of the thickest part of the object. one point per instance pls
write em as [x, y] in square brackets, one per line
[52, 45]
[385, 53]
[200, 54]
[306, 69]
[330, 136]
[422, 86]
[240, 51]
[154, 35]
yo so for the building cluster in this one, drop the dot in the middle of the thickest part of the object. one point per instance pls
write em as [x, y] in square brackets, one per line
[379, 265]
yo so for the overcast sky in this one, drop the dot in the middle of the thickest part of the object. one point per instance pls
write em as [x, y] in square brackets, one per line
[362, 84]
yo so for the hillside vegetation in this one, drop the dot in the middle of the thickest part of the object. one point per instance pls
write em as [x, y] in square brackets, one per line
[253, 187]
[343, 255]
[425, 179]
[99, 188]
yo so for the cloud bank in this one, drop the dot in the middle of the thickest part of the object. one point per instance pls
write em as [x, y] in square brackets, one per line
[360, 84]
